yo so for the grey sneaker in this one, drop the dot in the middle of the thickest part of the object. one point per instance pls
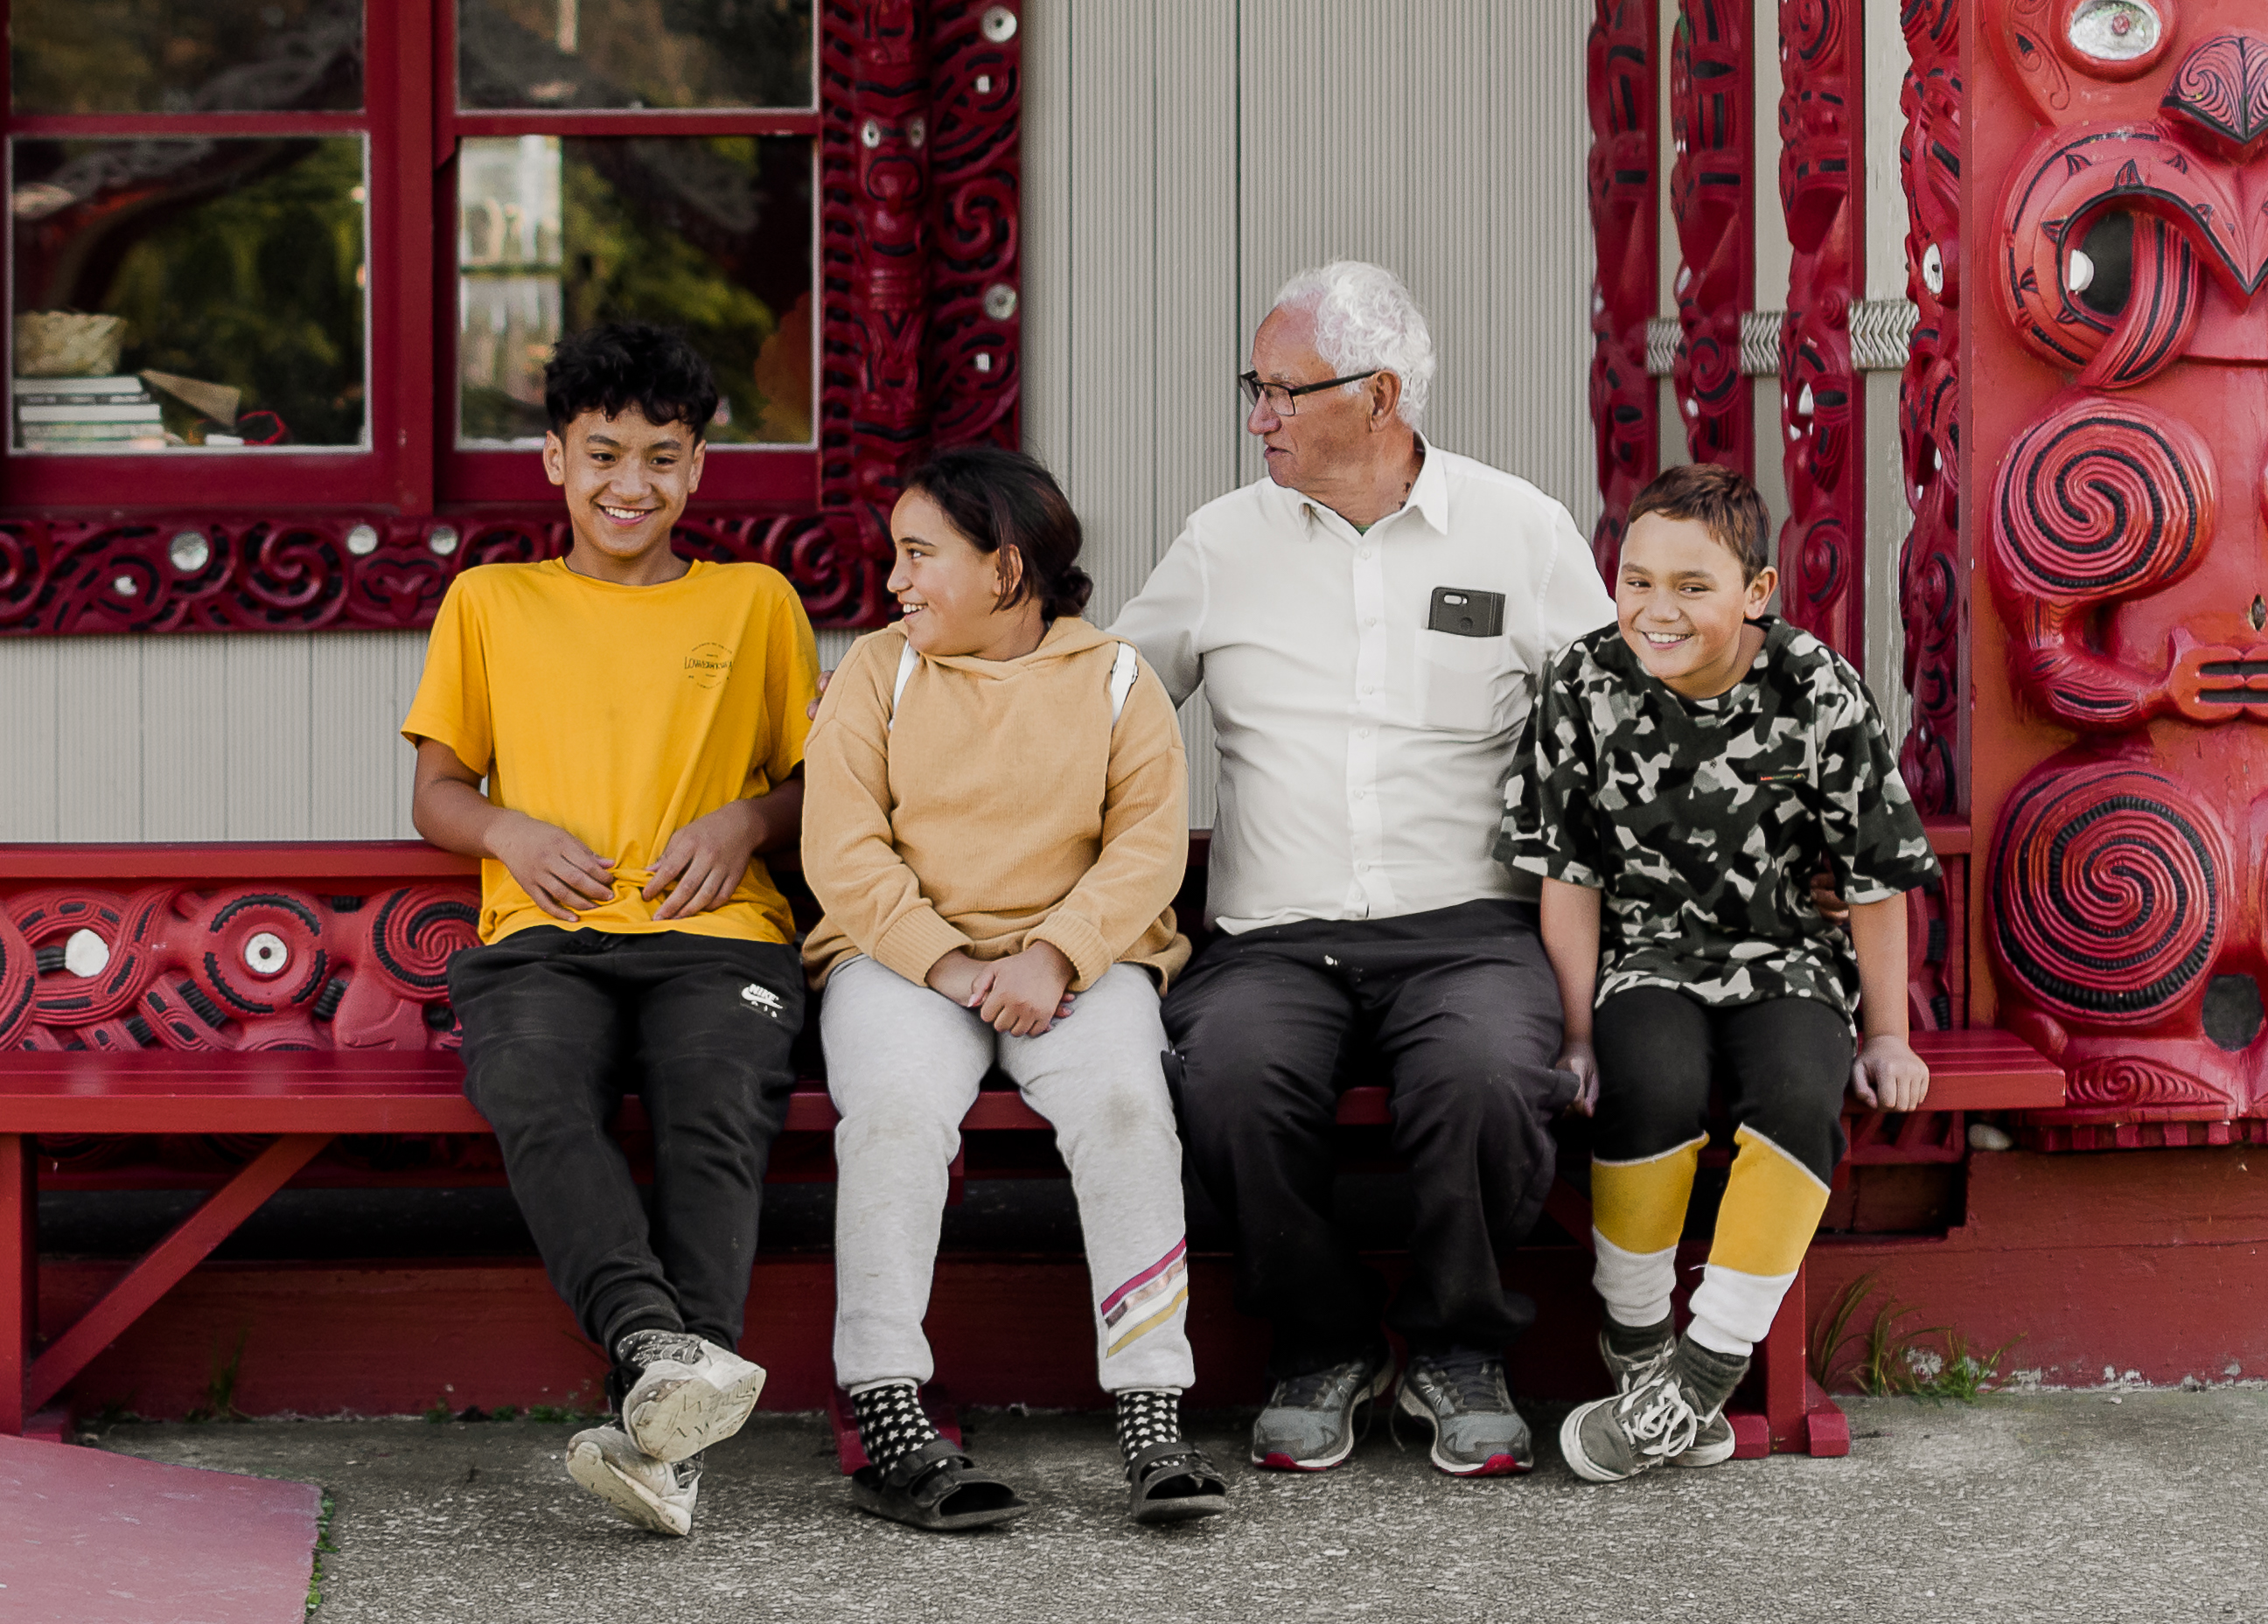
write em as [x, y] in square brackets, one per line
[1464, 1396]
[686, 1394]
[655, 1494]
[1712, 1446]
[1308, 1425]
[1610, 1439]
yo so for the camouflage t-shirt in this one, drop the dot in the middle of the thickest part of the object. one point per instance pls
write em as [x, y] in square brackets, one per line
[1703, 821]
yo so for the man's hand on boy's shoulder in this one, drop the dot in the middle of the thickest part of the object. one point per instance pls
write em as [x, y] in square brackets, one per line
[1888, 1076]
[560, 872]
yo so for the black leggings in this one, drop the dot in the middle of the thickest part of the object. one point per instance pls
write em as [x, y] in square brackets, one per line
[1782, 1065]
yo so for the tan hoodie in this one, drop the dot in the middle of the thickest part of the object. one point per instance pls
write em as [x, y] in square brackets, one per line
[999, 807]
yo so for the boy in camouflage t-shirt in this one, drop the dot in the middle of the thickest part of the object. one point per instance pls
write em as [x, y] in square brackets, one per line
[1689, 770]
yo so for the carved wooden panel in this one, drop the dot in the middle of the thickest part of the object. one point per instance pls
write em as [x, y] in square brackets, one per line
[1823, 403]
[1931, 571]
[2119, 399]
[920, 179]
[1625, 227]
[1713, 199]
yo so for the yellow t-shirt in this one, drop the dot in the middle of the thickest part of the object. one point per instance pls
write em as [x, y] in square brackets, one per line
[622, 714]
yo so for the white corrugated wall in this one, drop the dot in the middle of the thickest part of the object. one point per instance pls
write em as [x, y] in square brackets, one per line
[1182, 158]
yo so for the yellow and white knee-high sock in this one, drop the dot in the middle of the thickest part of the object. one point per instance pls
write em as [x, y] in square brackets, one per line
[1637, 1212]
[1772, 1207]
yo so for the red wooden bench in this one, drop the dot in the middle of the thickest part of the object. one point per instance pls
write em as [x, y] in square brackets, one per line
[366, 899]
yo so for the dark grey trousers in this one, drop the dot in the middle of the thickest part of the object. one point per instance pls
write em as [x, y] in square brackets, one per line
[558, 1026]
[1457, 1009]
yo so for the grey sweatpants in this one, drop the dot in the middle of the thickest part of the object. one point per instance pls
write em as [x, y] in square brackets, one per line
[903, 1064]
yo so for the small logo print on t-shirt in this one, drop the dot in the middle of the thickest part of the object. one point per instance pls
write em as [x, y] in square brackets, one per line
[708, 663]
[760, 998]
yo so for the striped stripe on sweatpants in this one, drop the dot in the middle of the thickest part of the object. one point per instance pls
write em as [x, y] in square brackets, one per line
[1782, 1066]
[903, 1064]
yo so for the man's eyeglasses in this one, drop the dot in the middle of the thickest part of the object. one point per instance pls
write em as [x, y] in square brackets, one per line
[1284, 399]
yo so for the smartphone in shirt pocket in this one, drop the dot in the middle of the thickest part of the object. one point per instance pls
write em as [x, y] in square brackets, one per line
[1465, 675]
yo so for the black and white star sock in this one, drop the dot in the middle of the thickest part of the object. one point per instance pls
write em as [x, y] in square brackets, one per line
[891, 1421]
[1148, 1416]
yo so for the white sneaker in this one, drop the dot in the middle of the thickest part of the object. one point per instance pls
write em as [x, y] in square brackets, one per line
[655, 1494]
[689, 1393]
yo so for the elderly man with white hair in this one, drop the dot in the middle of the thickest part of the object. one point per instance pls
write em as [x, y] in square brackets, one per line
[1369, 623]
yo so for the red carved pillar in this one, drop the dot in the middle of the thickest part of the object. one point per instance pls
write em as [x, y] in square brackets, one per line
[1713, 199]
[2118, 401]
[1932, 577]
[1822, 423]
[1624, 226]
[878, 237]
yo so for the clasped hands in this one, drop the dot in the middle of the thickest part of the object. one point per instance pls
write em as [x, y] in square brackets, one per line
[700, 868]
[1019, 996]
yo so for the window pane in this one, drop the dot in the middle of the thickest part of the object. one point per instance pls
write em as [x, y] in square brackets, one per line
[633, 53]
[709, 234]
[235, 269]
[176, 57]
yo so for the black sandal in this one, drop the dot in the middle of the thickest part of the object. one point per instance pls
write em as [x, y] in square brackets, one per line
[1173, 1481]
[936, 1486]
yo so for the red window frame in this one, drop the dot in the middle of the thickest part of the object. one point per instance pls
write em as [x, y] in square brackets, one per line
[917, 285]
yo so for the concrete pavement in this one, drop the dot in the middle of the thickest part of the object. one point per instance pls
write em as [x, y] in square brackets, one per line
[2146, 1506]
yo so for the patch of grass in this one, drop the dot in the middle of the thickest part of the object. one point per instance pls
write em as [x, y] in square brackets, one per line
[1894, 1359]
[440, 1413]
[323, 1547]
[220, 1388]
[505, 1412]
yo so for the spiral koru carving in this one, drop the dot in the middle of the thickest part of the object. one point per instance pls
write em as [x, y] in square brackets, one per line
[2101, 498]
[20, 982]
[414, 931]
[2106, 888]
[2132, 1083]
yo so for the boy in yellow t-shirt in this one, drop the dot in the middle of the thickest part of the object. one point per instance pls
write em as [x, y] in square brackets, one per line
[639, 720]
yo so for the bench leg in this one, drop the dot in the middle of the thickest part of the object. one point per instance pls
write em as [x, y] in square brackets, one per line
[167, 1262]
[19, 1274]
[1785, 1377]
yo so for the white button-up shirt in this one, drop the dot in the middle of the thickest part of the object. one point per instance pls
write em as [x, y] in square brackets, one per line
[1364, 752]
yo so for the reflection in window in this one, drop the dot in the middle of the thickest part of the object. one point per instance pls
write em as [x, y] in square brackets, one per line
[709, 234]
[176, 57]
[633, 53]
[234, 270]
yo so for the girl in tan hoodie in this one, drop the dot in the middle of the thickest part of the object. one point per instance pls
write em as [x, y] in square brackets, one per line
[996, 824]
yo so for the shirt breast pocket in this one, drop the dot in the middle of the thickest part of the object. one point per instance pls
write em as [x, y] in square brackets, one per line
[1465, 685]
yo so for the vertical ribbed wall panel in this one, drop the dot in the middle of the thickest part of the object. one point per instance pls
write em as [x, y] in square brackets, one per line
[1446, 139]
[98, 786]
[1886, 125]
[1773, 252]
[187, 711]
[1889, 521]
[267, 687]
[1669, 253]
[1045, 235]
[29, 761]
[361, 768]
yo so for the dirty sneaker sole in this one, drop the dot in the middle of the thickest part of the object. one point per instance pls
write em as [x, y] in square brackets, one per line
[1709, 1451]
[1496, 1466]
[676, 1410]
[1277, 1461]
[631, 1500]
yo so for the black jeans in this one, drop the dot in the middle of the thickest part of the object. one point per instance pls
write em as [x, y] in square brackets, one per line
[558, 1026]
[1459, 1008]
[1781, 1066]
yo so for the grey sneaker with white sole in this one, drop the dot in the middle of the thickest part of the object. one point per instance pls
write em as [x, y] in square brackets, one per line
[1462, 1395]
[683, 1393]
[1309, 1423]
[1712, 1446]
[657, 1495]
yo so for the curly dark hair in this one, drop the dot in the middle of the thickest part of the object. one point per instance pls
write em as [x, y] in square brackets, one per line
[1003, 500]
[1724, 502]
[620, 364]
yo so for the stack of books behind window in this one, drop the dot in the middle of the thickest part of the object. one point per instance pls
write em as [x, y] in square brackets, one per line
[86, 415]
